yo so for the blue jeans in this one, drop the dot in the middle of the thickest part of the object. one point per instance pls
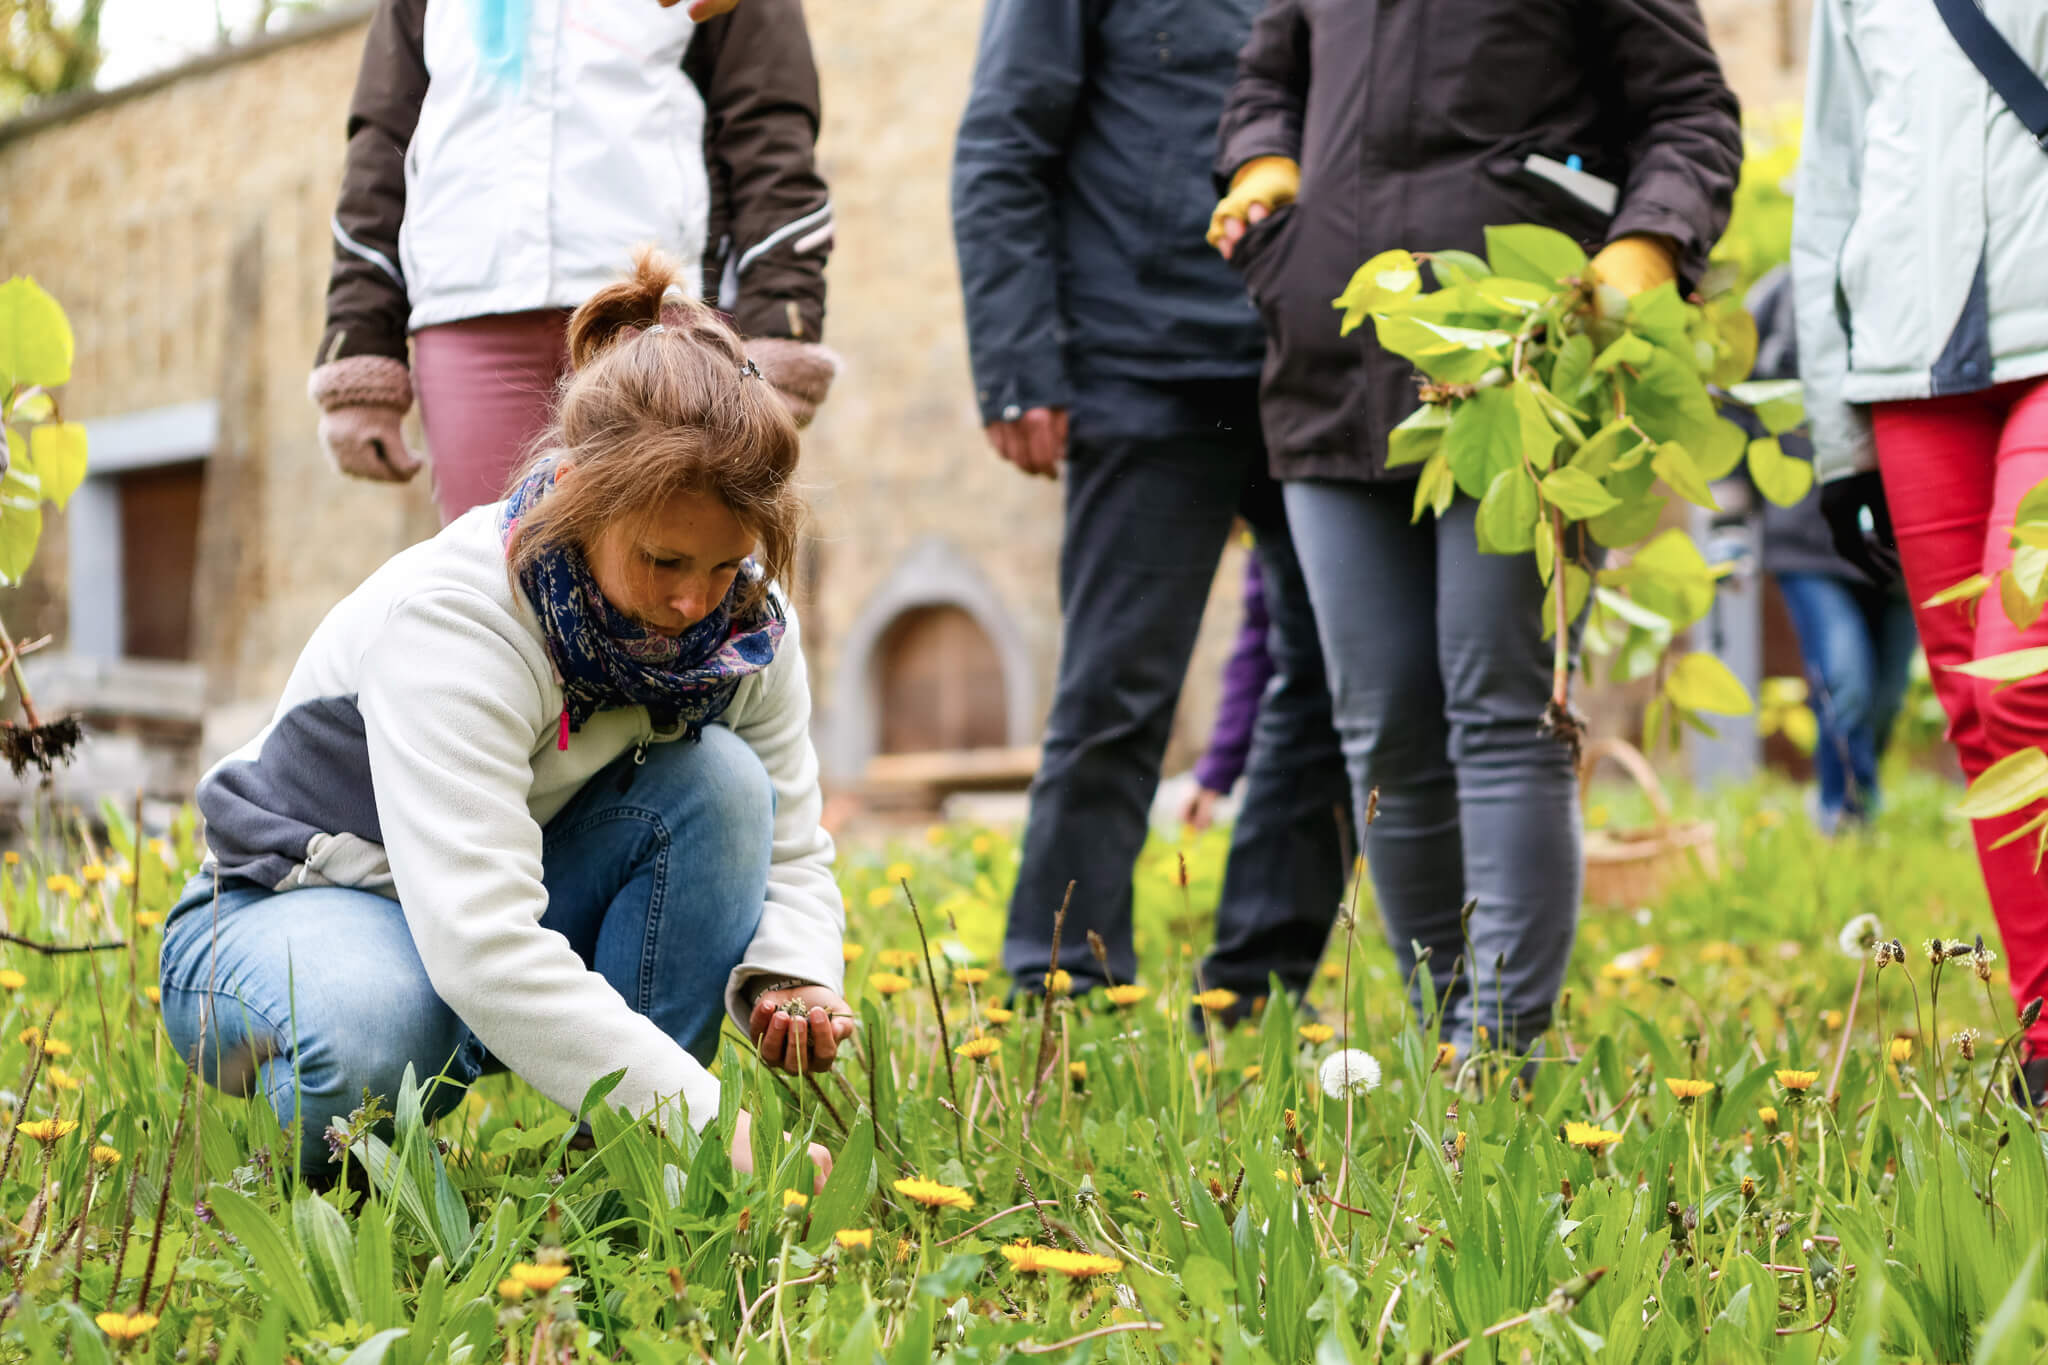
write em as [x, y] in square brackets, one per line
[1857, 643]
[655, 874]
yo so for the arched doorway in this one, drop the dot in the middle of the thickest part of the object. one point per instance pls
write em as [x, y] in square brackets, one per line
[938, 683]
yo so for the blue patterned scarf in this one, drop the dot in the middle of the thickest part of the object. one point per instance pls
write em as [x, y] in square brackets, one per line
[607, 660]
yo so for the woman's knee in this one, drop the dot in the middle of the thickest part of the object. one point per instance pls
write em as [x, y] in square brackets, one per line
[718, 780]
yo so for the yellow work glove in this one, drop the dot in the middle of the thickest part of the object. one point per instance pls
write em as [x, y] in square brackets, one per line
[1268, 180]
[1635, 263]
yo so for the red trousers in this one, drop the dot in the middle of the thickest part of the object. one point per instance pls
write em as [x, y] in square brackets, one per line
[486, 388]
[1955, 469]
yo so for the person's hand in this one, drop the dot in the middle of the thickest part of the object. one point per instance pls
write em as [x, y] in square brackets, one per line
[742, 1151]
[363, 400]
[704, 9]
[1861, 522]
[1635, 263]
[807, 1042]
[1260, 186]
[1035, 442]
[801, 373]
[1198, 809]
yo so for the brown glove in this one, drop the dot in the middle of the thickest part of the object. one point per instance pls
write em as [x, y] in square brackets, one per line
[363, 399]
[801, 371]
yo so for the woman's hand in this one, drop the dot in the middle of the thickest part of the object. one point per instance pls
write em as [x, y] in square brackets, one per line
[743, 1151]
[806, 1041]
[1198, 809]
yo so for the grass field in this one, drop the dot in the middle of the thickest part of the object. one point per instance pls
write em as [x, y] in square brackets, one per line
[1154, 1197]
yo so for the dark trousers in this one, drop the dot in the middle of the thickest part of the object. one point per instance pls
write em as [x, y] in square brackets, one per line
[1147, 517]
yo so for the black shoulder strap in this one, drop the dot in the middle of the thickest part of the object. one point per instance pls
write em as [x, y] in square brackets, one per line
[2016, 82]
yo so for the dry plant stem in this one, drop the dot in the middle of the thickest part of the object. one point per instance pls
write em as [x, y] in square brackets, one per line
[931, 979]
[1848, 1027]
[163, 1201]
[826, 1100]
[121, 1241]
[28, 702]
[1059, 924]
[1048, 1348]
[1508, 1324]
[60, 949]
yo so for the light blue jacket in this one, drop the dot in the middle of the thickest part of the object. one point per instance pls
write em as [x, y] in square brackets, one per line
[1920, 233]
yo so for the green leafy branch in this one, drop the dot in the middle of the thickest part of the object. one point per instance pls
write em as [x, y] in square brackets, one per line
[1562, 407]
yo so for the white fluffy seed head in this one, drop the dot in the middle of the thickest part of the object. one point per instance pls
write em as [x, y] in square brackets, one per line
[1859, 936]
[1350, 1073]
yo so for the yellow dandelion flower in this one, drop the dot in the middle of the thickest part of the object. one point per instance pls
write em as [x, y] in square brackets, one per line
[1832, 1019]
[1059, 981]
[126, 876]
[979, 1049]
[48, 1130]
[1686, 1089]
[1127, 995]
[1203, 1063]
[61, 1079]
[1902, 1049]
[897, 872]
[11, 858]
[1032, 1260]
[1077, 1072]
[1316, 1033]
[888, 983]
[979, 845]
[1768, 1114]
[52, 1047]
[935, 835]
[511, 1291]
[160, 849]
[541, 1277]
[1216, 998]
[794, 1197]
[1333, 971]
[92, 873]
[11, 980]
[152, 995]
[851, 952]
[149, 919]
[854, 1239]
[1251, 1073]
[103, 1155]
[996, 1014]
[971, 976]
[1446, 1055]
[881, 898]
[62, 885]
[933, 1195]
[1590, 1136]
[898, 959]
[126, 1326]
[1796, 1081]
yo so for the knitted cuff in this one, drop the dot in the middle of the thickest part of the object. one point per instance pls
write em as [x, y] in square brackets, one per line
[361, 381]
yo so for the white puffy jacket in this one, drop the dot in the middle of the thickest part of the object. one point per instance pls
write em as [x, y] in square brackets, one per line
[1920, 233]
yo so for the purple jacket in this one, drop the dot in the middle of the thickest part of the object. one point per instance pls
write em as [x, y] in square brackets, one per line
[1245, 676]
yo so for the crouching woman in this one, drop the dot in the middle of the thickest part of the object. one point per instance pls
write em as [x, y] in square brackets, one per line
[540, 794]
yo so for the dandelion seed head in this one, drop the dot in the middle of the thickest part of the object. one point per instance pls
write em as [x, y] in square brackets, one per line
[1859, 935]
[1349, 1073]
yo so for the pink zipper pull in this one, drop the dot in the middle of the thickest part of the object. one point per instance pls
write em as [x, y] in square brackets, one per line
[562, 735]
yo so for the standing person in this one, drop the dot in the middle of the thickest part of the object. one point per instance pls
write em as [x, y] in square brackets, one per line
[1357, 126]
[1112, 351]
[1856, 635]
[540, 794]
[1919, 229]
[503, 157]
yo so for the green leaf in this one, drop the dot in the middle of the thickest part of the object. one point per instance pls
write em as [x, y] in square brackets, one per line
[1780, 404]
[1573, 366]
[1701, 682]
[1778, 476]
[1457, 267]
[1546, 553]
[2017, 780]
[1722, 452]
[1435, 489]
[1449, 355]
[2012, 667]
[1675, 466]
[1507, 514]
[32, 406]
[1668, 576]
[1482, 440]
[1418, 436]
[1628, 523]
[1577, 494]
[1538, 437]
[374, 1351]
[1529, 252]
[2020, 608]
[1628, 349]
[1511, 295]
[58, 449]
[1659, 314]
[20, 529]
[276, 1266]
[1603, 448]
[330, 1256]
[1969, 590]
[35, 339]
[1386, 279]
[2033, 506]
[1734, 344]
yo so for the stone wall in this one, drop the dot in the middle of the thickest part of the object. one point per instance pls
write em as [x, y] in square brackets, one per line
[184, 225]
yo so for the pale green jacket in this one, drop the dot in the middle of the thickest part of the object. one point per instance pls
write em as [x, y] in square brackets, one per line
[1920, 233]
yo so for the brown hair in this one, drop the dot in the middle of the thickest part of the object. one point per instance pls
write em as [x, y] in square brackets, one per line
[646, 414]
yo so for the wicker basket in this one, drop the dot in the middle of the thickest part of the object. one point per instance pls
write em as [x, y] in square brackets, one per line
[1630, 868]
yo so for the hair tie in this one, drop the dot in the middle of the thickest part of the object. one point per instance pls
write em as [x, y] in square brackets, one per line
[674, 306]
[748, 369]
[656, 330]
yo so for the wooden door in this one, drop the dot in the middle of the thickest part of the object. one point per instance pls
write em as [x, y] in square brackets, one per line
[940, 684]
[159, 555]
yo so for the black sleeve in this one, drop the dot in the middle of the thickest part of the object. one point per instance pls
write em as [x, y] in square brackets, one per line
[1262, 114]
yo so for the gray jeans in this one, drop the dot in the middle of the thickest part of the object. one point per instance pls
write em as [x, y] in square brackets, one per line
[1438, 678]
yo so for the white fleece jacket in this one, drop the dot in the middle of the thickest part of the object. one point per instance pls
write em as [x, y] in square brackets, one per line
[415, 753]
